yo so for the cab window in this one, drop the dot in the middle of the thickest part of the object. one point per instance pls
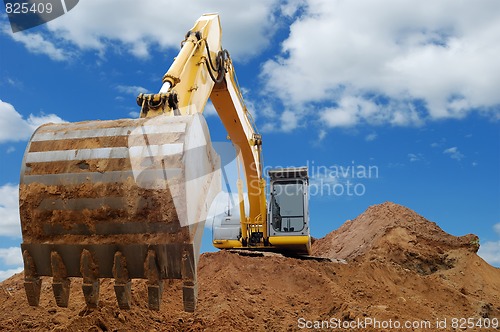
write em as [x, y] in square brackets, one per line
[287, 206]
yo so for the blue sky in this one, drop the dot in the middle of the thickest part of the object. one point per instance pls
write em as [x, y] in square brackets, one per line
[407, 88]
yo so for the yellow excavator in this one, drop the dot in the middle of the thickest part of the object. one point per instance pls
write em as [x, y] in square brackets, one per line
[128, 199]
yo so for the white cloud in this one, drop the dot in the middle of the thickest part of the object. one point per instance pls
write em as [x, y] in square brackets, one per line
[371, 137]
[415, 157]
[131, 89]
[286, 121]
[246, 28]
[12, 125]
[5, 274]
[10, 224]
[35, 121]
[11, 256]
[496, 228]
[490, 252]
[38, 44]
[439, 143]
[14, 128]
[321, 135]
[396, 62]
[352, 110]
[338, 117]
[454, 153]
[289, 121]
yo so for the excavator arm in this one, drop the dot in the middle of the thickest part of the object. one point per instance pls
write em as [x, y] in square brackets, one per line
[228, 102]
[204, 70]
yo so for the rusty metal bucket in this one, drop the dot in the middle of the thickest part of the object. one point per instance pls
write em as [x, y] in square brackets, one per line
[118, 199]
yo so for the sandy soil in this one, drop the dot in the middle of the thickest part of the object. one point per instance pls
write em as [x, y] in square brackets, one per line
[400, 267]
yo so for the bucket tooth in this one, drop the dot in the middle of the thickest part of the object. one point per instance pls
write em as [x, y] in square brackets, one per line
[122, 281]
[32, 283]
[90, 286]
[155, 283]
[189, 295]
[190, 286]
[32, 288]
[60, 280]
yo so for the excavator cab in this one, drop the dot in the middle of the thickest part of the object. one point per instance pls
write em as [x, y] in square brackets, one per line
[288, 210]
[287, 218]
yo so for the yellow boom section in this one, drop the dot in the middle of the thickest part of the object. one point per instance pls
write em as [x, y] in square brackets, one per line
[202, 70]
[233, 113]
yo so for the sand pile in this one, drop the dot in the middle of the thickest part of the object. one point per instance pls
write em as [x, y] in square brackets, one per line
[391, 232]
[399, 267]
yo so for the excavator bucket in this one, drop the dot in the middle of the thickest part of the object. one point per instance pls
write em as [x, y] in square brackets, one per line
[119, 199]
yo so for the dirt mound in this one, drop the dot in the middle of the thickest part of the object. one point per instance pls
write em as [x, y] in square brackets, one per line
[392, 273]
[393, 232]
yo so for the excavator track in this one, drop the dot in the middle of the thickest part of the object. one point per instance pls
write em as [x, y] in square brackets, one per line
[109, 199]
